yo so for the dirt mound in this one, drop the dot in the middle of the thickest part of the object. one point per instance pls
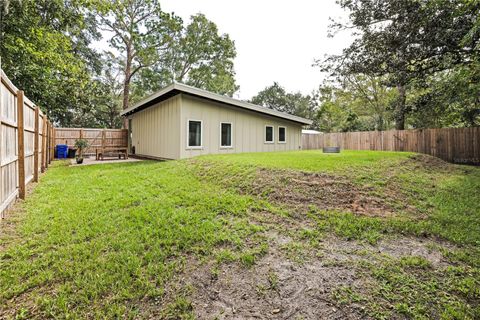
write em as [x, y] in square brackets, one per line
[327, 192]
[428, 163]
[299, 191]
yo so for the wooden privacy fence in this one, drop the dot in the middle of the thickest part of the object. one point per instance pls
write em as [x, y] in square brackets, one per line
[26, 143]
[97, 138]
[458, 145]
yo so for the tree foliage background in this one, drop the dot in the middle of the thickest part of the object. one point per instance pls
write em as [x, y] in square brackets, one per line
[412, 64]
[427, 51]
[46, 48]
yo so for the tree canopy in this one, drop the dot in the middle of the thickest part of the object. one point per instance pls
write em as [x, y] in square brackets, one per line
[277, 98]
[196, 55]
[406, 41]
[140, 32]
[412, 64]
[46, 49]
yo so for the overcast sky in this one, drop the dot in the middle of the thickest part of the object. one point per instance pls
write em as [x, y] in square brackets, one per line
[276, 40]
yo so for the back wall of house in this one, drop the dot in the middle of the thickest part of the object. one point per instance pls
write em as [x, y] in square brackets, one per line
[248, 128]
[156, 130]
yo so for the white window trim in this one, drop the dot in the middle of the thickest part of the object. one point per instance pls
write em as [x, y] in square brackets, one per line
[279, 134]
[231, 135]
[188, 135]
[265, 134]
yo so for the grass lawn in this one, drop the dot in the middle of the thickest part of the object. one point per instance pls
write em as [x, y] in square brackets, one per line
[312, 160]
[375, 234]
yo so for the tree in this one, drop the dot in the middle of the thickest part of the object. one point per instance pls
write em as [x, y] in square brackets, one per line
[105, 102]
[203, 58]
[370, 98]
[406, 40]
[447, 99]
[109, 100]
[275, 97]
[140, 29]
[45, 51]
[197, 55]
[331, 114]
[336, 111]
[358, 103]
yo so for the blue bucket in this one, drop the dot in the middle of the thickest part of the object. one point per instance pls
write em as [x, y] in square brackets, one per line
[62, 151]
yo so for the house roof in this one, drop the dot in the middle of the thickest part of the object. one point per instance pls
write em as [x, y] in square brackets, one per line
[177, 88]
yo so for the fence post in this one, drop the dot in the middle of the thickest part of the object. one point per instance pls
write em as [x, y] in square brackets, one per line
[21, 146]
[103, 138]
[44, 143]
[36, 145]
[52, 142]
[49, 137]
[47, 151]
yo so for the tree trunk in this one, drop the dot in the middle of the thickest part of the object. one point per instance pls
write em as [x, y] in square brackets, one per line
[380, 123]
[400, 108]
[126, 92]
[126, 84]
[112, 118]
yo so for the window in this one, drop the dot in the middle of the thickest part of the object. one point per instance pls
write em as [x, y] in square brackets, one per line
[282, 135]
[225, 135]
[194, 134]
[269, 134]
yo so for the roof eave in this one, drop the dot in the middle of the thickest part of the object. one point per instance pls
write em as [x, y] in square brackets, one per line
[148, 99]
[215, 97]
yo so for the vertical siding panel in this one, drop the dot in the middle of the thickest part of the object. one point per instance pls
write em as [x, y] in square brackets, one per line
[153, 130]
[248, 128]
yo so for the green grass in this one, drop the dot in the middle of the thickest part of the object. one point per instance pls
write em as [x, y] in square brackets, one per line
[110, 240]
[313, 160]
[98, 240]
[447, 194]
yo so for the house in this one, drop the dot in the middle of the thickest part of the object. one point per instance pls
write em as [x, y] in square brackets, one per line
[181, 121]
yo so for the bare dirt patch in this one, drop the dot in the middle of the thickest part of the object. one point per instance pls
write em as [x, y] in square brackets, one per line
[298, 190]
[275, 288]
[326, 192]
[394, 247]
[297, 279]
[428, 163]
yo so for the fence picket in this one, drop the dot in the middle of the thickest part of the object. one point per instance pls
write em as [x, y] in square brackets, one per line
[21, 145]
[458, 145]
[96, 138]
[36, 141]
[21, 151]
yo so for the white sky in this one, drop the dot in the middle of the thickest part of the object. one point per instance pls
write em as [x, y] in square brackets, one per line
[275, 40]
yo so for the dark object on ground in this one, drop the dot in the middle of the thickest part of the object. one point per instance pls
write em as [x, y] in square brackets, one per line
[79, 160]
[62, 151]
[71, 153]
[331, 149]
